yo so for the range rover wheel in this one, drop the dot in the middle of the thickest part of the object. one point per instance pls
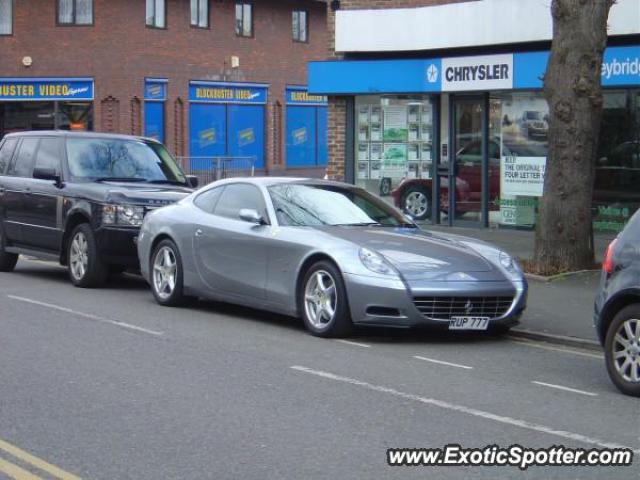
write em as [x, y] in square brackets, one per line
[323, 301]
[86, 269]
[7, 260]
[416, 201]
[622, 350]
[166, 274]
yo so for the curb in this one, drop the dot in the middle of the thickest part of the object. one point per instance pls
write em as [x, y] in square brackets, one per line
[557, 339]
[559, 276]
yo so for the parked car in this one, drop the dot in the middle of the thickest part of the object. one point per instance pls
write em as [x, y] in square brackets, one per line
[413, 195]
[617, 308]
[328, 252]
[534, 125]
[80, 198]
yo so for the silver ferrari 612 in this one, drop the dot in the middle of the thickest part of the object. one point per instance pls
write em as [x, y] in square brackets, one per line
[327, 252]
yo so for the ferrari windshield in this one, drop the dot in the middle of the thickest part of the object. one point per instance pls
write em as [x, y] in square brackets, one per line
[314, 205]
[122, 160]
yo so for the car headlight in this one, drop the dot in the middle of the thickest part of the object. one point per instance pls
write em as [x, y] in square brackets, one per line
[375, 262]
[509, 263]
[127, 215]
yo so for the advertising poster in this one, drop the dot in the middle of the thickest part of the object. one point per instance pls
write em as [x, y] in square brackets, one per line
[395, 159]
[395, 124]
[522, 176]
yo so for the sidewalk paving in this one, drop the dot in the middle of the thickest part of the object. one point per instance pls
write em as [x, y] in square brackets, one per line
[561, 308]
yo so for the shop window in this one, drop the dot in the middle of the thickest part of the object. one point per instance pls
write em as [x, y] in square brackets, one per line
[75, 12]
[244, 19]
[200, 13]
[394, 141]
[6, 17]
[300, 26]
[156, 14]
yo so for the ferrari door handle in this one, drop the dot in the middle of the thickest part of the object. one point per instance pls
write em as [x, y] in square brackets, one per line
[199, 233]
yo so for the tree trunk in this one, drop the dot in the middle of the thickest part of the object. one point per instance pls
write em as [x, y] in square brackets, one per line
[564, 234]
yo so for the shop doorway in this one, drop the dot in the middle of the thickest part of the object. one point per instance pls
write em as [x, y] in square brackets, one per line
[468, 172]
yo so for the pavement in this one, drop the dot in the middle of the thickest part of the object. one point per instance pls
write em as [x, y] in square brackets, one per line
[559, 311]
[106, 384]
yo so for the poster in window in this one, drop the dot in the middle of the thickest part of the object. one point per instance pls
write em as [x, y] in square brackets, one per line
[375, 172]
[395, 124]
[376, 133]
[363, 133]
[426, 151]
[427, 115]
[363, 151]
[376, 151]
[375, 114]
[363, 115]
[363, 170]
[414, 133]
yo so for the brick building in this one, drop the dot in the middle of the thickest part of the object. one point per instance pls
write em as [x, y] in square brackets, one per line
[437, 105]
[208, 77]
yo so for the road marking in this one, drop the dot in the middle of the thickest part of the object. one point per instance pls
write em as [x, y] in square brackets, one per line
[462, 409]
[15, 472]
[566, 389]
[433, 360]
[349, 342]
[85, 315]
[557, 349]
[36, 462]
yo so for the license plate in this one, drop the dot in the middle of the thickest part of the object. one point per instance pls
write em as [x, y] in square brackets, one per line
[469, 323]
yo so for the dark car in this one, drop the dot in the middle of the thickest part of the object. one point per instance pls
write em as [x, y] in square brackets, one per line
[617, 308]
[80, 198]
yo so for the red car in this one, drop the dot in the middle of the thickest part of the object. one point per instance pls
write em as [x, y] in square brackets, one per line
[413, 195]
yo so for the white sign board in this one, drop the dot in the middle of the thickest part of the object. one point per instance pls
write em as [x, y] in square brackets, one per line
[489, 72]
[522, 176]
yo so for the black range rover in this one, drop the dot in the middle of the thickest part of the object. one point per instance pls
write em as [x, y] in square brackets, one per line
[80, 198]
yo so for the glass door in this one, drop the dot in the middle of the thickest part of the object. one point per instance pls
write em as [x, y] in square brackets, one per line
[468, 172]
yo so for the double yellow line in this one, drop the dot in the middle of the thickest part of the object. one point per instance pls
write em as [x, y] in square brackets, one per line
[17, 472]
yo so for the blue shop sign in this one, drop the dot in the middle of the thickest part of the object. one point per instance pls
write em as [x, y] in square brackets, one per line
[620, 67]
[155, 89]
[29, 89]
[301, 96]
[218, 92]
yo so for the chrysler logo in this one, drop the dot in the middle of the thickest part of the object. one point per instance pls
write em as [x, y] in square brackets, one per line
[432, 74]
[468, 308]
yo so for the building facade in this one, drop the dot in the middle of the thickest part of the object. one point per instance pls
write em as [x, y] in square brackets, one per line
[209, 78]
[439, 104]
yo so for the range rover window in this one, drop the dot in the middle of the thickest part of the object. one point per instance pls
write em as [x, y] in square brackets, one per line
[238, 196]
[122, 160]
[22, 165]
[6, 152]
[48, 155]
[207, 201]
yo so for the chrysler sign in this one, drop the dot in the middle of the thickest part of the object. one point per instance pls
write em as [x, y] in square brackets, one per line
[491, 72]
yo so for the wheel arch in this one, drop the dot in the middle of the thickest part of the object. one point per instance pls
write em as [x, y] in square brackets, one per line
[73, 220]
[302, 270]
[615, 305]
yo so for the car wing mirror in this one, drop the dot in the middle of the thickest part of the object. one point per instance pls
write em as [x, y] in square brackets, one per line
[192, 181]
[42, 173]
[252, 216]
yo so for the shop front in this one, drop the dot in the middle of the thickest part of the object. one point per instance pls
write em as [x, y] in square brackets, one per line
[45, 104]
[226, 121]
[464, 140]
[306, 128]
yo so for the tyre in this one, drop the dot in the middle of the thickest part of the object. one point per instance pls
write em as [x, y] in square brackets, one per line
[7, 260]
[86, 268]
[622, 350]
[166, 274]
[416, 201]
[323, 301]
